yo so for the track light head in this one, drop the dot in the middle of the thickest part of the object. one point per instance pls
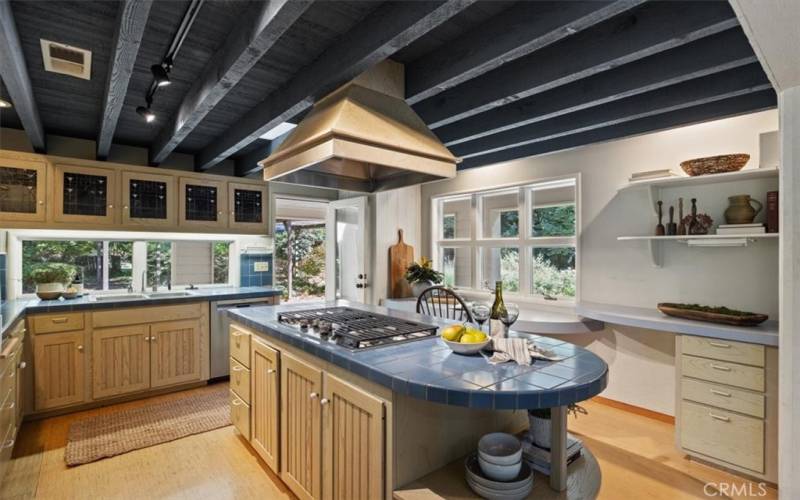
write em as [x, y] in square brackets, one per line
[145, 113]
[160, 75]
[4, 103]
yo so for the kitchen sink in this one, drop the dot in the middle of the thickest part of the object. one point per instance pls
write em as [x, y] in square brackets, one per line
[164, 295]
[129, 296]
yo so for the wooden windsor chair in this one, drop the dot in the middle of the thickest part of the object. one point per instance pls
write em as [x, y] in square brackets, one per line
[442, 302]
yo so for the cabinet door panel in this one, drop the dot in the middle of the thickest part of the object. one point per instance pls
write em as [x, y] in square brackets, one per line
[176, 352]
[353, 442]
[22, 190]
[148, 199]
[59, 369]
[248, 207]
[120, 360]
[264, 403]
[202, 203]
[85, 194]
[301, 385]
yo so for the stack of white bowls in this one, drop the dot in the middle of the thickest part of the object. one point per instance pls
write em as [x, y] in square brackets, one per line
[497, 471]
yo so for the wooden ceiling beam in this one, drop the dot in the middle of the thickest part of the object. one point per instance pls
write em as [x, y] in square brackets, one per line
[751, 103]
[514, 33]
[131, 21]
[650, 29]
[264, 23]
[248, 164]
[737, 81]
[727, 50]
[378, 36]
[15, 77]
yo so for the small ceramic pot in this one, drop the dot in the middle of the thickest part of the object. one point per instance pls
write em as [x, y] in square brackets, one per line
[540, 431]
[740, 209]
[419, 287]
[49, 291]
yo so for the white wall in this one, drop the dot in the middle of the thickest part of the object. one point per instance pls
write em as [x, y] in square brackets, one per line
[621, 272]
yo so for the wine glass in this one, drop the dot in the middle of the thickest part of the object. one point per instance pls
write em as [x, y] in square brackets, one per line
[480, 313]
[510, 316]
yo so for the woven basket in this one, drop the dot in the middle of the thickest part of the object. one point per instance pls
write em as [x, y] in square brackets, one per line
[715, 164]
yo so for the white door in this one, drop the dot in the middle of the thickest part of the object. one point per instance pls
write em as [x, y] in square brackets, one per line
[346, 250]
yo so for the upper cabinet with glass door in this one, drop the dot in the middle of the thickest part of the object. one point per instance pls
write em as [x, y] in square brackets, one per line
[85, 194]
[148, 199]
[202, 204]
[22, 190]
[248, 207]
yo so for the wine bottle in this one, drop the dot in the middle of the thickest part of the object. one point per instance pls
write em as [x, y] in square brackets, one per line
[496, 327]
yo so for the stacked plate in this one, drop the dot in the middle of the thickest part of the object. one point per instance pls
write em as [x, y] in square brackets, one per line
[515, 489]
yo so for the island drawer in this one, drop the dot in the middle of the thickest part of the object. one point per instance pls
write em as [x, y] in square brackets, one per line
[240, 415]
[724, 350]
[240, 346]
[732, 438]
[750, 403]
[240, 380]
[722, 372]
[60, 322]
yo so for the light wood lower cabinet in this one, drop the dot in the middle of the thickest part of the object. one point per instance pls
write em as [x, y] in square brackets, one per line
[301, 386]
[175, 352]
[59, 368]
[120, 360]
[264, 397]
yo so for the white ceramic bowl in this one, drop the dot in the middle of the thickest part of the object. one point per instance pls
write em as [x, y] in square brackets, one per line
[459, 348]
[476, 475]
[490, 494]
[500, 448]
[500, 472]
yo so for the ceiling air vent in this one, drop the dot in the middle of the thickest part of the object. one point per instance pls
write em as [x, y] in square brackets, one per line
[67, 60]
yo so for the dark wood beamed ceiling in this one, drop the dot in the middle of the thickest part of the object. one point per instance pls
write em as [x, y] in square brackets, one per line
[264, 23]
[494, 80]
[131, 20]
[14, 73]
[377, 37]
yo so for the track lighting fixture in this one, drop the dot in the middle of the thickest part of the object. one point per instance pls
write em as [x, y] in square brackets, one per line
[145, 112]
[160, 74]
[4, 104]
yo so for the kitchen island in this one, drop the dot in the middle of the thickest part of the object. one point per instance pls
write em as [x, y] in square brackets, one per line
[425, 405]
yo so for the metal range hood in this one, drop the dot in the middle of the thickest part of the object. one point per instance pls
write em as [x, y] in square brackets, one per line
[362, 137]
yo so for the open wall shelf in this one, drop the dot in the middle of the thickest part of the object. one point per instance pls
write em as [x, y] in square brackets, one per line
[698, 240]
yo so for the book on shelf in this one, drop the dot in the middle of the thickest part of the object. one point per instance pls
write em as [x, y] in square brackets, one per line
[651, 174]
[539, 458]
[737, 229]
[772, 212]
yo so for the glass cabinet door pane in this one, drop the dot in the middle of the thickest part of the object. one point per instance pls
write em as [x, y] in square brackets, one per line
[201, 202]
[85, 194]
[148, 199]
[247, 206]
[18, 190]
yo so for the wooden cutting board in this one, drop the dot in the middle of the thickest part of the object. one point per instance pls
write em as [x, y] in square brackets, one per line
[401, 256]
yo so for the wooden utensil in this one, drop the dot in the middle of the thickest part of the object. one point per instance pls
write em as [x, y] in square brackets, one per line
[681, 225]
[660, 227]
[401, 256]
[672, 227]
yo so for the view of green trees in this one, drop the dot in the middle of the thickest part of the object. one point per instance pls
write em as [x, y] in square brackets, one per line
[300, 260]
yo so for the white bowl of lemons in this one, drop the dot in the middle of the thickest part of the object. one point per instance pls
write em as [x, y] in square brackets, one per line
[463, 339]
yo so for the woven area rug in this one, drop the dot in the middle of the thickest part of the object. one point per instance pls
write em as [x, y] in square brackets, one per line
[104, 436]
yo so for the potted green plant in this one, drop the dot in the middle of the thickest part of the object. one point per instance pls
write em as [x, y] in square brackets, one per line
[421, 275]
[51, 279]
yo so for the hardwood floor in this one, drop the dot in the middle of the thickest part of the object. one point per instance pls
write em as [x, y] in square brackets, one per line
[636, 455]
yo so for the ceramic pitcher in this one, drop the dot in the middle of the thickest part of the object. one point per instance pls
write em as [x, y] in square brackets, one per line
[740, 209]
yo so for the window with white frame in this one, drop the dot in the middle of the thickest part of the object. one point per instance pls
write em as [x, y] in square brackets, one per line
[524, 236]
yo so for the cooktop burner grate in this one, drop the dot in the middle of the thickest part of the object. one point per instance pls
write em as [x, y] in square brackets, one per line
[356, 329]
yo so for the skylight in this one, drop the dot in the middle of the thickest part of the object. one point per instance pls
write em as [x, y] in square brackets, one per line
[278, 131]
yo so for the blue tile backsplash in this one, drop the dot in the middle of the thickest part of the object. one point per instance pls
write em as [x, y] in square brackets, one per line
[249, 275]
[3, 276]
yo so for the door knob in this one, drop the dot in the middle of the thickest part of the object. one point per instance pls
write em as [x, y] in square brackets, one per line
[323, 401]
[80, 348]
[270, 371]
[313, 395]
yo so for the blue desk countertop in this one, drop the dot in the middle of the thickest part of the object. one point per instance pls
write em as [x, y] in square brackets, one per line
[427, 369]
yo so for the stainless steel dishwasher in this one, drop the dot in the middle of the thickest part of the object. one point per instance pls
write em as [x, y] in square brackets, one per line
[220, 347]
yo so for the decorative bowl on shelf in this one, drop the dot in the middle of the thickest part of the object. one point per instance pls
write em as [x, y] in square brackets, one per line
[715, 164]
[712, 314]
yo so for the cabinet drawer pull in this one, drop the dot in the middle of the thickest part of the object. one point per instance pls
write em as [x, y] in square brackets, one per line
[237, 334]
[59, 320]
[271, 370]
[719, 417]
[721, 368]
[41, 202]
[10, 348]
[720, 393]
[719, 344]
[237, 368]
[324, 401]
[22, 365]
[313, 395]
[11, 405]
[80, 348]
[8, 444]
[236, 402]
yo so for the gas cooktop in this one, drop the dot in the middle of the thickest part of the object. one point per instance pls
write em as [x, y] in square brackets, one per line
[355, 329]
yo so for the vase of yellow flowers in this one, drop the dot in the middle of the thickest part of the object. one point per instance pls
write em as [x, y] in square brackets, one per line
[421, 275]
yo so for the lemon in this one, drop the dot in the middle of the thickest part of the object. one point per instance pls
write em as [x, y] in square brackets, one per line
[453, 333]
[473, 337]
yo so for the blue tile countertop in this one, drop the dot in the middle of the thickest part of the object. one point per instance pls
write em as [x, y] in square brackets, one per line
[428, 370]
[12, 310]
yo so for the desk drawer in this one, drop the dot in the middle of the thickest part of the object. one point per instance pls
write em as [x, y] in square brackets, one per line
[240, 380]
[51, 323]
[724, 350]
[728, 398]
[722, 372]
[240, 346]
[723, 435]
[240, 415]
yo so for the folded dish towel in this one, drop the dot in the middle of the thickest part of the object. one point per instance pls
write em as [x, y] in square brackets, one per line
[510, 349]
